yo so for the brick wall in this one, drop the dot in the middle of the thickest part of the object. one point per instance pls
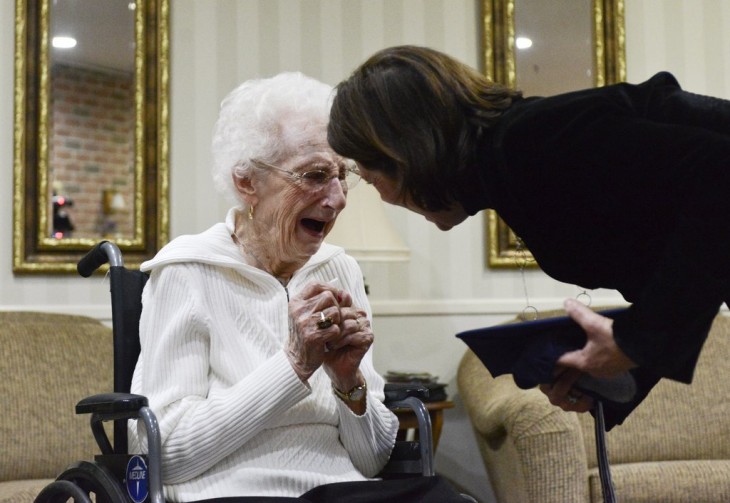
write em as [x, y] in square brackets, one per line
[91, 147]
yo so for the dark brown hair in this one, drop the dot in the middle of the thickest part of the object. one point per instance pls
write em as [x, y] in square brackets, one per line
[416, 115]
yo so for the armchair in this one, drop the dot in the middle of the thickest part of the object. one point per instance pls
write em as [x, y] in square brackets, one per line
[49, 361]
[675, 447]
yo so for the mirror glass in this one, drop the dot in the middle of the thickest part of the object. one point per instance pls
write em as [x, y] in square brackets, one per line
[553, 53]
[546, 48]
[91, 130]
[91, 119]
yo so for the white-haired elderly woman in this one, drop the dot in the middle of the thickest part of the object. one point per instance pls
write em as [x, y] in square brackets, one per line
[255, 334]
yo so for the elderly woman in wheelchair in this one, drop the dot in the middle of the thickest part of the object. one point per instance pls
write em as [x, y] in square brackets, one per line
[255, 334]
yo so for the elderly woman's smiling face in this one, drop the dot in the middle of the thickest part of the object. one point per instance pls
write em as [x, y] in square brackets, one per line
[293, 208]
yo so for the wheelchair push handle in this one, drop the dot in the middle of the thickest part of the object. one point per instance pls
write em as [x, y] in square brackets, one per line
[103, 252]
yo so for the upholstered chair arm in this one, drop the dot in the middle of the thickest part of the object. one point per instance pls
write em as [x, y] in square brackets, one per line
[519, 432]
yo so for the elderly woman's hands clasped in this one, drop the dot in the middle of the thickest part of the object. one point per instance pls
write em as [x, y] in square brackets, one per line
[327, 330]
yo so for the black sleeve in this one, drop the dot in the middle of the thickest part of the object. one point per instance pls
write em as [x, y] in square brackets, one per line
[667, 325]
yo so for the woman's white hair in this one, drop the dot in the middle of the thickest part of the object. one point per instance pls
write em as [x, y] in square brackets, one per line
[265, 119]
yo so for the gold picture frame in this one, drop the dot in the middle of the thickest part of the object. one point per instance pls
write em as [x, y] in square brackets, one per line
[35, 250]
[504, 248]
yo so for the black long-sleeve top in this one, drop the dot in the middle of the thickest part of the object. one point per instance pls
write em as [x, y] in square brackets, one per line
[624, 187]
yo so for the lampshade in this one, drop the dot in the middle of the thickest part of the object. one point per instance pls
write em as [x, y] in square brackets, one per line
[364, 231]
[118, 203]
[112, 201]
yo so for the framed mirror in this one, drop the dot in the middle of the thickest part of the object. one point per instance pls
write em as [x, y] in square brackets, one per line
[546, 48]
[91, 130]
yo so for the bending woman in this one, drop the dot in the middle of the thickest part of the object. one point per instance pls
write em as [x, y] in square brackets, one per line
[622, 187]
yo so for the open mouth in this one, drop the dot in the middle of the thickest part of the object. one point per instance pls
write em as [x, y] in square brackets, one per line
[313, 225]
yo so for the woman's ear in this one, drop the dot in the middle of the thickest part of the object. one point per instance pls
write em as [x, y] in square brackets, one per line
[246, 189]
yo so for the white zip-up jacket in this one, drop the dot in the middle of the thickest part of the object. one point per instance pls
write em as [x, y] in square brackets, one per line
[234, 417]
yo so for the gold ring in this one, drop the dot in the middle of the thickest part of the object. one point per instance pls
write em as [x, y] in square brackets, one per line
[324, 321]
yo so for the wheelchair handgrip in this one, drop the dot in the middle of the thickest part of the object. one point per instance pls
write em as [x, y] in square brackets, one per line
[103, 252]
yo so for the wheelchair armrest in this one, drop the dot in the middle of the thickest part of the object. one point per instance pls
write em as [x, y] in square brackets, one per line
[399, 391]
[112, 405]
[409, 396]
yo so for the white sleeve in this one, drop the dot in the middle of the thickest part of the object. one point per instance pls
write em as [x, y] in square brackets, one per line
[369, 438]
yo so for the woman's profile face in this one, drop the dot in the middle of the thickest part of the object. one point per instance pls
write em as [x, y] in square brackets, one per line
[389, 189]
[293, 217]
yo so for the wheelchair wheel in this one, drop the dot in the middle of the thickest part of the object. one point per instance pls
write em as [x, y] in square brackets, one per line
[84, 482]
[60, 491]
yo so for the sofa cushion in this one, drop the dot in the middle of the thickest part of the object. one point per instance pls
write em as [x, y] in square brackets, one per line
[667, 481]
[677, 421]
[50, 362]
[21, 491]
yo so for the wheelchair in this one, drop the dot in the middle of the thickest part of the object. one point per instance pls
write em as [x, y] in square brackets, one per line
[115, 475]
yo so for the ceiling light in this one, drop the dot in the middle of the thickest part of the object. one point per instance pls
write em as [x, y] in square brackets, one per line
[63, 42]
[523, 43]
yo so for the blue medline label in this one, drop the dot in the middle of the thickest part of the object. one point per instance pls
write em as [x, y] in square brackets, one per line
[137, 486]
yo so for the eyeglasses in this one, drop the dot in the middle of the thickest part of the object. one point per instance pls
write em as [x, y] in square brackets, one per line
[318, 178]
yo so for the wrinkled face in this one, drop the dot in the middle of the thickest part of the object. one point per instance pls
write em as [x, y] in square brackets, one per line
[389, 189]
[292, 218]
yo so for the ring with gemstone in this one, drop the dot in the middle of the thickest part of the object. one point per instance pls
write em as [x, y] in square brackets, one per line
[324, 321]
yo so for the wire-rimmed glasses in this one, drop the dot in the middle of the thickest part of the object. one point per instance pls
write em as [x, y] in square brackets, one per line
[317, 179]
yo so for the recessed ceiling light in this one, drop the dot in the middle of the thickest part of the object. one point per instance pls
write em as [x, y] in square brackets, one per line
[63, 42]
[523, 43]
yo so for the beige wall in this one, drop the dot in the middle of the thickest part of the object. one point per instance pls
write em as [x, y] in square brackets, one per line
[445, 287]
[690, 38]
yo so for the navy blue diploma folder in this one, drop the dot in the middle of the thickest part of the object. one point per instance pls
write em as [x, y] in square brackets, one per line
[529, 350]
